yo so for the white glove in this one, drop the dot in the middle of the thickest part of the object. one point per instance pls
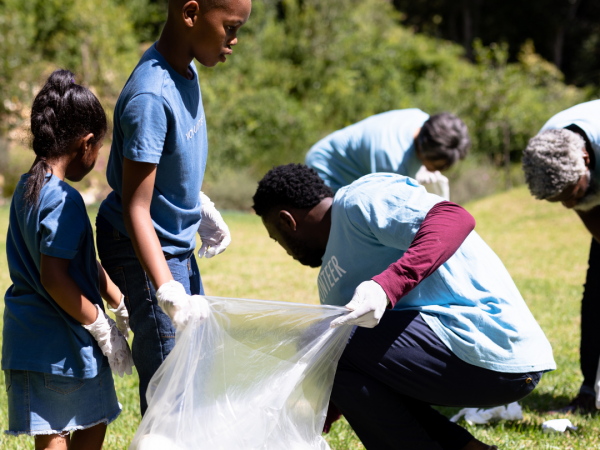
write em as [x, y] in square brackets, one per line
[112, 343]
[121, 317]
[597, 387]
[367, 305]
[213, 230]
[180, 306]
[439, 183]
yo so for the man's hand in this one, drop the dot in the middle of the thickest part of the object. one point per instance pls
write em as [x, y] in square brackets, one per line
[367, 305]
[213, 230]
[180, 306]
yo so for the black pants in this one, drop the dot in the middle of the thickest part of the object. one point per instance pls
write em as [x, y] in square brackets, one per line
[589, 351]
[388, 377]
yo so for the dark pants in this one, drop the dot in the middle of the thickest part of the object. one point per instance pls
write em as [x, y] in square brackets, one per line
[590, 313]
[154, 334]
[389, 376]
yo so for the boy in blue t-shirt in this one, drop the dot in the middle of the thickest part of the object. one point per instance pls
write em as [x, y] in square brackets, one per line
[147, 224]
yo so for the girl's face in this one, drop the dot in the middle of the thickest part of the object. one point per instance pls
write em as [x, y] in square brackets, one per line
[85, 160]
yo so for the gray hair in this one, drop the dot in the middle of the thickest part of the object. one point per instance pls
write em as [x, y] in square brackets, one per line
[444, 136]
[552, 161]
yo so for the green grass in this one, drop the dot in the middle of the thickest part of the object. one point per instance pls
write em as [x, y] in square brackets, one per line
[544, 247]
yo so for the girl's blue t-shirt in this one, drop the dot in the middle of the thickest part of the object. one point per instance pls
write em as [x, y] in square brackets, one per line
[159, 119]
[470, 302]
[38, 334]
[380, 143]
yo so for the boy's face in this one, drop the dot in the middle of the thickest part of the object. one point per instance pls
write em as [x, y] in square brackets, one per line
[214, 31]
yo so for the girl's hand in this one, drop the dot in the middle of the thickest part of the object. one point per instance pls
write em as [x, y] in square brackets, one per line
[112, 343]
[122, 317]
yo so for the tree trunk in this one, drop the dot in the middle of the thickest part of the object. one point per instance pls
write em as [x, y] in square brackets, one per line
[559, 40]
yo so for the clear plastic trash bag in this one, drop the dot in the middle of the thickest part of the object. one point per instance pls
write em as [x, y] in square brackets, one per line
[255, 375]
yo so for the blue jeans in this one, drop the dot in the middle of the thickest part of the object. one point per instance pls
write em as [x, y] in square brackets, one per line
[154, 334]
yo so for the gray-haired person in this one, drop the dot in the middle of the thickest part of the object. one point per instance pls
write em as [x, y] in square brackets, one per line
[407, 142]
[562, 164]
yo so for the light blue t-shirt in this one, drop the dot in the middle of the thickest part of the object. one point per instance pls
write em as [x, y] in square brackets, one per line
[159, 119]
[587, 117]
[470, 302]
[380, 143]
[38, 334]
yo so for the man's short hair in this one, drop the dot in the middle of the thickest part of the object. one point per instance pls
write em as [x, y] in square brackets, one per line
[552, 161]
[291, 185]
[444, 136]
[206, 5]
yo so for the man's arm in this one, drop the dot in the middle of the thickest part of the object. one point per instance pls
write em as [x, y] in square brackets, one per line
[138, 186]
[442, 232]
[591, 220]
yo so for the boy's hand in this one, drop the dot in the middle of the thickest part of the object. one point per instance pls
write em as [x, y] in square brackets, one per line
[180, 306]
[112, 343]
[213, 230]
[121, 317]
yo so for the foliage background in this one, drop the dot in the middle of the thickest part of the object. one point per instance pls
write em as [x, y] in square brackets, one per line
[302, 69]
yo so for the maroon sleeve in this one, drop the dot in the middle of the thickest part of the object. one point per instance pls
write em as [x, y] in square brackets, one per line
[442, 232]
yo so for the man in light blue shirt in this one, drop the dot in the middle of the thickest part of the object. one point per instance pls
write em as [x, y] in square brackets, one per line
[562, 164]
[459, 333]
[399, 141]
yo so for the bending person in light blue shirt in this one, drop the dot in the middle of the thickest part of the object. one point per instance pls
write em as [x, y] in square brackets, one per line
[459, 333]
[562, 164]
[399, 141]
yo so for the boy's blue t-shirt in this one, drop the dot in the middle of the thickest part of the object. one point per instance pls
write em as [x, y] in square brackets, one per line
[159, 119]
[380, 143]
[587, 117]
[38, 334]
[470, 302]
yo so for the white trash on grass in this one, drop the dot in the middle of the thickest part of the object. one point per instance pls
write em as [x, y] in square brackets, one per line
[255, 375]
[558, 426]
[512, 411]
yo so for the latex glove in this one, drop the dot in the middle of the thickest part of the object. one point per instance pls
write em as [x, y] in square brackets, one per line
[180, 306]
[112, 343]
[597, 387]
[439, 183]
[121, 317]
[367, 305]
[213, 230]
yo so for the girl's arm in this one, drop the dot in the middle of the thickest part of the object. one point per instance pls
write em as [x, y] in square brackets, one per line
[108, 290]
[138, 186]
[65, 291]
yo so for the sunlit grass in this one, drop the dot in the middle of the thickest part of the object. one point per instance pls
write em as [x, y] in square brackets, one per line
[544, 247]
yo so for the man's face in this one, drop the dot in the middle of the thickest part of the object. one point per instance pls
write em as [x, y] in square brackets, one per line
[294, 242]
[215, 31]
[582, 195]
[436, 164]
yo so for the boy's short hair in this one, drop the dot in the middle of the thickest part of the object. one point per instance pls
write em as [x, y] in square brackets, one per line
[291, 185]
[206, 5]
[444, 136]
[552, 161]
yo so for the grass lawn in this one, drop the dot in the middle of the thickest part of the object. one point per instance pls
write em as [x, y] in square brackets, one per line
[544, 247]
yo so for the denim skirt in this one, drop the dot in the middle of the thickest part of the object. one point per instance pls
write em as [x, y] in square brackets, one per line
[42, 403]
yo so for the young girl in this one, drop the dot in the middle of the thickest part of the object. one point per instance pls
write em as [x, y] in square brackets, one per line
[57, 371]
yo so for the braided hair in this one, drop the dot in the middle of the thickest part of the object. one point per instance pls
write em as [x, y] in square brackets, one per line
[293, 185]
[62, 112]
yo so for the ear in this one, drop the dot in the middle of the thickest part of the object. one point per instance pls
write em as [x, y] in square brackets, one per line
[86, 143]
[586, 157]
[287, 221]
[190, 13]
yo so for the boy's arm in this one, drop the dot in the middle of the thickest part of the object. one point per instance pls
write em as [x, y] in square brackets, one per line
[55, 278]
[138, 187]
